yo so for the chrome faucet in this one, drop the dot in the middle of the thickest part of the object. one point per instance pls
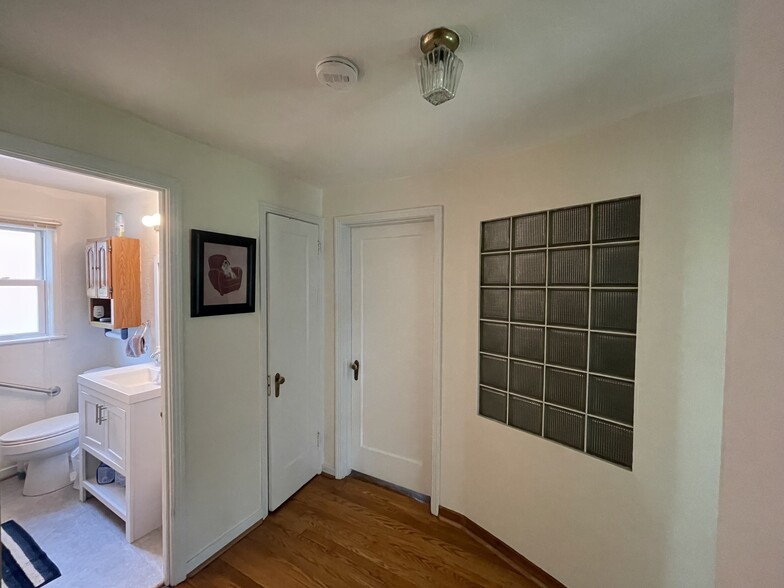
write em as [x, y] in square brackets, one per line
[155, 356]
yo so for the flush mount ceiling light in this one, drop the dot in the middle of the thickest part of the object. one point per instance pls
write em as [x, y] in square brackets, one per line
[439, 67]
[152, 221]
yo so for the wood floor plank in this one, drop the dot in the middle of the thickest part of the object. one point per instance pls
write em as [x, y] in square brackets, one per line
[349, 533]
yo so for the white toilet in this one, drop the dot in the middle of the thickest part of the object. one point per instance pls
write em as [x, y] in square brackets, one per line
[45, 446]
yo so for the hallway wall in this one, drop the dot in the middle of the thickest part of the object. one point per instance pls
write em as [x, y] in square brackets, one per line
[587, 522]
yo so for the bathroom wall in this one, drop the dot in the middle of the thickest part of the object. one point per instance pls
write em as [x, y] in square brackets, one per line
[134, 207]
[589, 523]
[78, 346]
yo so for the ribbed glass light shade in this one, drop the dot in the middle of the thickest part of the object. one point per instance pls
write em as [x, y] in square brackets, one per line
[439, 74]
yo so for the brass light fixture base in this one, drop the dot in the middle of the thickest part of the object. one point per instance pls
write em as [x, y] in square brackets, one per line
[439, 37]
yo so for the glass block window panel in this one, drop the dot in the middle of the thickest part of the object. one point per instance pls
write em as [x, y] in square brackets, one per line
[567, 348]
[495, 270]
[558, 328]
[617, 220]
[494, 304]
[493, 371]
[613, 355]
[615, 265]
[529, 268]
[492, 404]
[494, 338]
[611, 399]
[611, 442]
[527, 343]
[614, 310]
[528, 305]
[565, 388]
[569, 267]
[525, 415]
[529, 230]
[564, 426]
[570, 226]
[567, 308]
[526, 379]
[495, 235]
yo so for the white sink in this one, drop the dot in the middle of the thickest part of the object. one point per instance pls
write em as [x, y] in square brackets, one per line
[130, 384]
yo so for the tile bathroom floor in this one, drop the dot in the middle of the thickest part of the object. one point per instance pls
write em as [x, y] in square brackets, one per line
[84, 539]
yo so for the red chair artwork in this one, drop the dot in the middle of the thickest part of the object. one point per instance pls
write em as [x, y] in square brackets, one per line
[223, 277]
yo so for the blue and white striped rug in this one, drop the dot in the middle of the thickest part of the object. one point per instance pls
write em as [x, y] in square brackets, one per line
[25, 565]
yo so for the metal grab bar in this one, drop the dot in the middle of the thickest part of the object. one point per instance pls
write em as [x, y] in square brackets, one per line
[52, 392]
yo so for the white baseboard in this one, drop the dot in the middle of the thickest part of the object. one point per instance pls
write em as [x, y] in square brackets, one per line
[329, 470]
[216, 546]
[7, 472]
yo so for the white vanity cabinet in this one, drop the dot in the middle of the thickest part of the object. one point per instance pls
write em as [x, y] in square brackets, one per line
[120, 425]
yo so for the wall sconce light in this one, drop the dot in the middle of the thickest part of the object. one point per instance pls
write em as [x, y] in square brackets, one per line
[439, 67]
[152, 221]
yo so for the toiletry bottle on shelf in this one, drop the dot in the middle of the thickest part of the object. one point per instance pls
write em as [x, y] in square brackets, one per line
[119, 224]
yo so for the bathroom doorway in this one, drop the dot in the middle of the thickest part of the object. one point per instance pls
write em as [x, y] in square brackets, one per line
[91, 388]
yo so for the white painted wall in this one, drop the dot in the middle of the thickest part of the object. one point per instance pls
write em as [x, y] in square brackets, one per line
[134, 207]
[587, 522]
[58, 362]
[222, 473]
[751, 518]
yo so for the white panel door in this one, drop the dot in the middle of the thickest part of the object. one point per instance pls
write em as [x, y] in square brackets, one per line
[392, 341]
[293, 310]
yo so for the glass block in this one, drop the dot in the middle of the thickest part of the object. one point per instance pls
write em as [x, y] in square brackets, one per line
[494, 304]
[527, 343]
[529, 269]
[612, 399]
[529, 230]
[494, 338]
[567, 348]
[613, 355]
[525, 415]
[492, 371]
[610, 442]
[569, 267]
[616, 220]
[495, 270]
[564, 426]
[565, 388]
[567, 308]
[526, 379]
[570, 226]
[528, 305]
[615, 265]
[492, 404]
[614, 310]
[495, 235]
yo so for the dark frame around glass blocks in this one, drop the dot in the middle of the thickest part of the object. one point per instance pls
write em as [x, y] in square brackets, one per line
[558, 325]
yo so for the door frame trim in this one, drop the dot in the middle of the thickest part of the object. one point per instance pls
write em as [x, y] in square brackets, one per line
[343, 227]
[264, 209]
[171, 319]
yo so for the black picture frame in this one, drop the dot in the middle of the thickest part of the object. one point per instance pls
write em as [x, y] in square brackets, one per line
[223, 278]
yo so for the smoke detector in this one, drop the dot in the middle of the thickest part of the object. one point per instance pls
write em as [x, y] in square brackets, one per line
[337, 72]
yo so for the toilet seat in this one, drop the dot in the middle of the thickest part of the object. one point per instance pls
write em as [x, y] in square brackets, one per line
[40, 435]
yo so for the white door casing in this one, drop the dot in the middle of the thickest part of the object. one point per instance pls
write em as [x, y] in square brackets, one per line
[293, 349]
[344, 226]
[392, 339]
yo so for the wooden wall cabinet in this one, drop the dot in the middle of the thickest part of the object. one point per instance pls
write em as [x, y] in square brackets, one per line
[113, 281]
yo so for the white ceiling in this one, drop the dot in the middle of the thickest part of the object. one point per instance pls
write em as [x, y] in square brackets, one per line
[238, 74]
[31, 172]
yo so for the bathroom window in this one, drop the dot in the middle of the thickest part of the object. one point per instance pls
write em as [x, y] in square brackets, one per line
[558, 325]
[25, 283]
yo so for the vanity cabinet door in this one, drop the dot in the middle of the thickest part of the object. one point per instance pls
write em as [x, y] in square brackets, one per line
[115, 435]
[93, 429]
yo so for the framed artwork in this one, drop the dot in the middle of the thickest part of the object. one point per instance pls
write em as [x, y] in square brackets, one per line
[223, 274]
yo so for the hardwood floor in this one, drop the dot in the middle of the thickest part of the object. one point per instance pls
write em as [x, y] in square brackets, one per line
[349, 532]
